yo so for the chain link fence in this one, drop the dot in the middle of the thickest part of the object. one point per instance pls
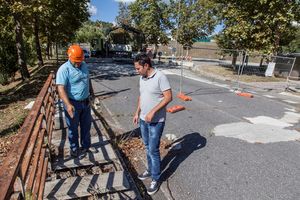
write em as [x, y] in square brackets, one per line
[266, 72]
[243, 70]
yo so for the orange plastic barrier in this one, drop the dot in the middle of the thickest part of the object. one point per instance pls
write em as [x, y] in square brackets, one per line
[184, 97]
[245, 94]
[175, 109]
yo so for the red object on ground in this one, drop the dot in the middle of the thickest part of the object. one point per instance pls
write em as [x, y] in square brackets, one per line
[175, 109]
[245, 94]
[183, 97]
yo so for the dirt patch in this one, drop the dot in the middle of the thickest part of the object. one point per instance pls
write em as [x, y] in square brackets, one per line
[13, 98]
[134, 150]
[134, 155]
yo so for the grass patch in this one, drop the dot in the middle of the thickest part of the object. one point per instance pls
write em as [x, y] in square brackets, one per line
[229, 73]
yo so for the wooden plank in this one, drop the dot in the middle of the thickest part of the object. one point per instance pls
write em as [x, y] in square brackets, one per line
[63, 142]
[60, 123]
[76, 187]
[44, 174]
[105, 154]
[32, 171]
[29, 150]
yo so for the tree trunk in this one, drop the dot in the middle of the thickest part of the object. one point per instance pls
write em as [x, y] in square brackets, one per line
[20, 47]
[276, 40]
[234, 59]
[56, 52]
[261, 61]
[48, 50]
[37, 42]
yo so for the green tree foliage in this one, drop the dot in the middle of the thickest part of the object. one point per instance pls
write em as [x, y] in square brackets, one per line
[193, 19]
[63, 19]
[16, 10]
[294, 45]
[32, 22]
[8, 56]
[119, 36]
[152, 18]
[88, 32]
[257, 25]
[104, 26]
[124, 15]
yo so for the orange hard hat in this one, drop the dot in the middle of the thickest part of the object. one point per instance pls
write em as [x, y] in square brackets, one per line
[75, 53]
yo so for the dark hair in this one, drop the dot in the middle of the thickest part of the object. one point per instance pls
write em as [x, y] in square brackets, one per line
[142, 59]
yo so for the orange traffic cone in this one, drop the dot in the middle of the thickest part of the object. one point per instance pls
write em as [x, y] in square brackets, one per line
[245, 94]
[175, 109]
[184, 97]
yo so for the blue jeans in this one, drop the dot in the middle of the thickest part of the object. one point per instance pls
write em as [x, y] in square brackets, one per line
[151, 134]
[82, 117]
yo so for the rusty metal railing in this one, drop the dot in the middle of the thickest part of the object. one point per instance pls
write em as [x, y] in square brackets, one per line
[23, 173]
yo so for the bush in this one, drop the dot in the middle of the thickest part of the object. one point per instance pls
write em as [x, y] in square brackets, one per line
[8, 59]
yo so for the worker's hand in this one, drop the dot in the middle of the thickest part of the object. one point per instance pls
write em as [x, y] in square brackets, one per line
[149, 117]
[71, 110]
[135, 119]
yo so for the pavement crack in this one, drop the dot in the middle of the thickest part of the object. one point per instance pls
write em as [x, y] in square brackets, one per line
[169, 190]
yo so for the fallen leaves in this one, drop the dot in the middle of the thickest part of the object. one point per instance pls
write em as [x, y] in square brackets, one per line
[134, 149]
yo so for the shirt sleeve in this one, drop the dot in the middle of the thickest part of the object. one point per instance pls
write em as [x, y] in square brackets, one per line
[164, 83]
[61, 76]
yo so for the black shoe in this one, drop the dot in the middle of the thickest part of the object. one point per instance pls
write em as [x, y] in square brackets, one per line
[154, 185]
[74, 153]
[91, 149]
[144, 175]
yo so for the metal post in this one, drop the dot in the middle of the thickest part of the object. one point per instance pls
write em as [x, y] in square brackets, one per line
[241, 67]
[177, 30]
[287, 79]
[181, 76]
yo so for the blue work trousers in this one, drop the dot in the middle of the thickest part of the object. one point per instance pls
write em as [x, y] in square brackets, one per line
[82, 117]
[151, 134]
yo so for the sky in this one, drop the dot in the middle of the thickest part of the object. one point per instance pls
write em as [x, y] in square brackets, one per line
[105, 10]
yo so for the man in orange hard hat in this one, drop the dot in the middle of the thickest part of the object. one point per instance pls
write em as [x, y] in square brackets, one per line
[74, 88]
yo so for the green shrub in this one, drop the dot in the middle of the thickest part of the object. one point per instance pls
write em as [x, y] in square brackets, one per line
[8, 59]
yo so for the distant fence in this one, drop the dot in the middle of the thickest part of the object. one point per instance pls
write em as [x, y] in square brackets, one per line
[23, 173]
[237, 65]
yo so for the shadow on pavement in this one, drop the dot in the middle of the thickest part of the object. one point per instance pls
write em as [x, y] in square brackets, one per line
[110, 94]
[189, 143]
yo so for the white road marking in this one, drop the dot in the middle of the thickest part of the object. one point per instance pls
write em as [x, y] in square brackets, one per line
[256, 133]
[290, 109]
[195, 78]
[269, 96]
[289, 101]
[289, 94]
[268, 121]
[262, 129]
[291, 117]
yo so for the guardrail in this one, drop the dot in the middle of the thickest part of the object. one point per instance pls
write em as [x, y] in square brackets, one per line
[23, 173]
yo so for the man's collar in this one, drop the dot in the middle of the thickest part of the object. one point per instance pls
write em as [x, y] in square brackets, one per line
[152, 74]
